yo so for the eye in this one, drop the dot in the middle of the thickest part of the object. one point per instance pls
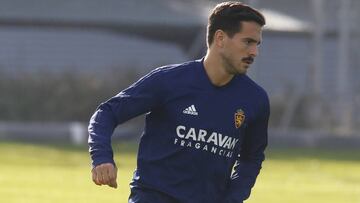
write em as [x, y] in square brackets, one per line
[248, 42]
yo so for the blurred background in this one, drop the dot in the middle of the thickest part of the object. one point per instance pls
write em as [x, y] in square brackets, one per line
[60, 59]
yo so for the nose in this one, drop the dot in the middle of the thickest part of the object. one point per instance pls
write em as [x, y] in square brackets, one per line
[254, 51]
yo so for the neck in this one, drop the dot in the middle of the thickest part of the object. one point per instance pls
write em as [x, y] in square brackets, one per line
[215, 69]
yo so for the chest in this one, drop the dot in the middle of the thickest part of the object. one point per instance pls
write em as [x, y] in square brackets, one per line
[228, 112]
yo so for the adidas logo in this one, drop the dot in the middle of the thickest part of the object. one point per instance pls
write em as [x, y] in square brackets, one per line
[191, 110]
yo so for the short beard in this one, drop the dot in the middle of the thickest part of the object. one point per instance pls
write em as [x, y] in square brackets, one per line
[228, 65]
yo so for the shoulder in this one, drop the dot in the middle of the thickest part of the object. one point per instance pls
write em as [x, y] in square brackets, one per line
[175, 69]
[258, 93]
[255, 88]
[162, 77]
[163, 72]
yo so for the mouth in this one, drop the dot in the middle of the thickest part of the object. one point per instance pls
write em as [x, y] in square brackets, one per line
[248, 60]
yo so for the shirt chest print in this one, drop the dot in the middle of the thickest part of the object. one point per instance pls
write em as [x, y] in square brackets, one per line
[204, 140]
[239, 118]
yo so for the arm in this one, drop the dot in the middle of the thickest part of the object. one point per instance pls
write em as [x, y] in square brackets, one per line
[249, 162]
[138, 99]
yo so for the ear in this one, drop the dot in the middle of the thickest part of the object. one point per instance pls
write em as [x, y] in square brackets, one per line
[219, 38]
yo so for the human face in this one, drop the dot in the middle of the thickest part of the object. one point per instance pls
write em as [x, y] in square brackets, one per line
[239, 51]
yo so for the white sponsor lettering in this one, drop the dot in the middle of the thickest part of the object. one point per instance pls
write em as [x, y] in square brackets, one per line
[200, 139]
[205, 148]
[222, 139]
[227, 144]
[202, 135]
[213, 138]
[233, 143]
[179, 134]
[213, 150]
[191, 134]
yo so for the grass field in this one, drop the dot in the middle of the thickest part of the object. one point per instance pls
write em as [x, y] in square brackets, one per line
[53, 174]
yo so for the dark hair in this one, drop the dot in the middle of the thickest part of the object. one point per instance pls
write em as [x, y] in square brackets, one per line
[227, 16]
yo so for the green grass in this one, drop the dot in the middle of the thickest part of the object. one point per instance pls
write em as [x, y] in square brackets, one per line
[311, 176]
[47, 173]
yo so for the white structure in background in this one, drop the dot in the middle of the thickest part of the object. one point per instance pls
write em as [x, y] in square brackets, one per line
[67, 132]
[344, 94]
[78, 133]
[31, 49]
[276, 21]
[318, 56]
[306, 47]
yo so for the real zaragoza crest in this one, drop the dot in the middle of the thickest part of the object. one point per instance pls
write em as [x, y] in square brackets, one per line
[239, 118]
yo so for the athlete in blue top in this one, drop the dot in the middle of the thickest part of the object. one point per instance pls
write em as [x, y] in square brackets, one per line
[206, 120]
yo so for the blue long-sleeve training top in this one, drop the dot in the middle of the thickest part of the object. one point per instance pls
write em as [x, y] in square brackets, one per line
[201, 143]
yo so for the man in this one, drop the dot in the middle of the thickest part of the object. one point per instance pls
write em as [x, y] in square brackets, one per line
[204, 118]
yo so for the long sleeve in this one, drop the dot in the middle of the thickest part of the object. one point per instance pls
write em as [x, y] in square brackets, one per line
[249, 162]
[139, 98]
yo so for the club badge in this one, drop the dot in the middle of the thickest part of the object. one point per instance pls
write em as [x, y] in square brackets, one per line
[239, 118]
